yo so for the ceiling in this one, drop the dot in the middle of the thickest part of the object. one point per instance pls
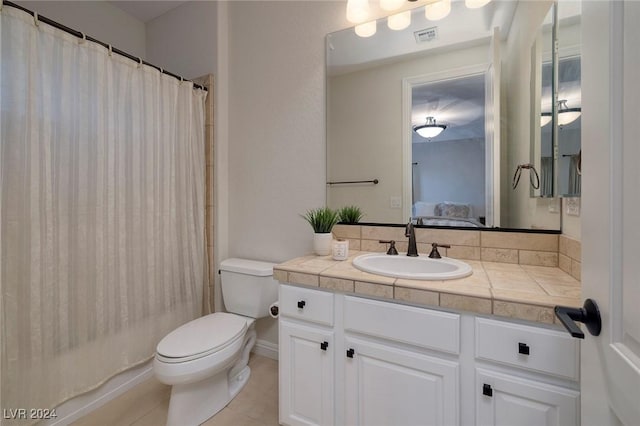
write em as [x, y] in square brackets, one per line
[146, 10]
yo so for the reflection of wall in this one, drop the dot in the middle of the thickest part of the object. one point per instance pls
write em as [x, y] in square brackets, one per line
[518, 210]
[364, 139]
[451, 171]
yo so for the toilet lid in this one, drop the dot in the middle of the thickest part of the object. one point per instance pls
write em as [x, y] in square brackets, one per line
[205, 334]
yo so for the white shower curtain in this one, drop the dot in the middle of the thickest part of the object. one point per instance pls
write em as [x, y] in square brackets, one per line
[102, 216]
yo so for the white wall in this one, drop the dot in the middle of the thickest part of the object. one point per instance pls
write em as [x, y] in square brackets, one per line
[276, 123]
[184, 40]
[276, 126]
[99, 19]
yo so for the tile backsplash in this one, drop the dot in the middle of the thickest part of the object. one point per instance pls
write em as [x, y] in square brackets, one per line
[522, 248]
[570, 256]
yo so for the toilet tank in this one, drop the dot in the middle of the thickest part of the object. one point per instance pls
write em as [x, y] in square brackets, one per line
[248, 287]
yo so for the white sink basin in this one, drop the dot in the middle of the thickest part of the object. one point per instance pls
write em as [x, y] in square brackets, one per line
[413, 268]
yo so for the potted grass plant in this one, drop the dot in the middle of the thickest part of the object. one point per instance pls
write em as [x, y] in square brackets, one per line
[322, 221]
[350, 214]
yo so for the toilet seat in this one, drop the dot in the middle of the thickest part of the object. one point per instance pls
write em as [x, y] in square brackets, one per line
[201, 337]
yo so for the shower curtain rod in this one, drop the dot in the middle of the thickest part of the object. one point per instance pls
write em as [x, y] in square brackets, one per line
[80, 34]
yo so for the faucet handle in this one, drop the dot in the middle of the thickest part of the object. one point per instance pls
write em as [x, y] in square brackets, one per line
[435, 254]
[392, 247]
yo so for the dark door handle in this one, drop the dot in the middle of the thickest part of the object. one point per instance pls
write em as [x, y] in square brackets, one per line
[487, 390]
[523, 348]
[301, 304]
[350, 353]
[324, 345]
[589, 314]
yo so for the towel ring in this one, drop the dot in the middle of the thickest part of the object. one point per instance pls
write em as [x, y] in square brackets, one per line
[534, 178]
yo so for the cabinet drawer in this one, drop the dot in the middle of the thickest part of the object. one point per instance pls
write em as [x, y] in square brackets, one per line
[308, 305]
[407, 324]
[532, 348]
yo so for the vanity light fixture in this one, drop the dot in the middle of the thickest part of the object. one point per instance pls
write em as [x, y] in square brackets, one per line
[357, 11]
[391, 4]
[438, 10]
[366, 30]
[475, 4]
[399, 21]
[430, 129]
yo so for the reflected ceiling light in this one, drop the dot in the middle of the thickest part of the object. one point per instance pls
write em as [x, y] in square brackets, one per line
[475, 4]
[567, 115]
[545, 118]
[391, 4]
[399, 21]
[438, 10]
[367, 29]
[430, 129]
[357, 11]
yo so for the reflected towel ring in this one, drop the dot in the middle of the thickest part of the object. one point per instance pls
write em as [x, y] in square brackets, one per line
[534, 178]
[579, 164]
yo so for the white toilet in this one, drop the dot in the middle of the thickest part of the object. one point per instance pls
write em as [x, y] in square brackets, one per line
[206, 359]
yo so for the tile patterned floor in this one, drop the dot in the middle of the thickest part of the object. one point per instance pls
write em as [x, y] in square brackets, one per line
[147, 403]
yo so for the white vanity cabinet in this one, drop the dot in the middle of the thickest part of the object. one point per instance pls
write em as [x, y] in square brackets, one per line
[541, 391]
[306, 357]
[349, 360]
[393, 372]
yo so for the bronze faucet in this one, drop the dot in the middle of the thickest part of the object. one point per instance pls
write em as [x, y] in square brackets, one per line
[412, 251]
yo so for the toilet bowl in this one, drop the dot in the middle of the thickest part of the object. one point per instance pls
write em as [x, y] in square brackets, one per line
[205, 360]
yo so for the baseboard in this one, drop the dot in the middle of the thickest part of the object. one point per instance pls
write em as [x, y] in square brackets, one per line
[265, 348]
[73, 409]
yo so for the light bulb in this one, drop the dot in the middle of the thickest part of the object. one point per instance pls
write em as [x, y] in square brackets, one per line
[357, 11]
[438, 10]
[475, 4]
[391, 4]
[399, 21]
[367, 29]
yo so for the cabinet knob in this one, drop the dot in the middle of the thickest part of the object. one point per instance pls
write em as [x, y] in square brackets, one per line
[523, 348]
[324, 345]
[350, 353]
[487, 390]
[301, 304]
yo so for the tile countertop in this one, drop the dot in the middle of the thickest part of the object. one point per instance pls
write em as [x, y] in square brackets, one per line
[509, 290]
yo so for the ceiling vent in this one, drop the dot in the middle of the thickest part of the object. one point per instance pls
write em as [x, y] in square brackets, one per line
[428, 34]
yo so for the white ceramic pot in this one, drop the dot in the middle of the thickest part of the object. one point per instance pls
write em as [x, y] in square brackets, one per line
[322, 243]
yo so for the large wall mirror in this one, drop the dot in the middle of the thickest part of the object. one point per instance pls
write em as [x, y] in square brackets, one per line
[470, 75]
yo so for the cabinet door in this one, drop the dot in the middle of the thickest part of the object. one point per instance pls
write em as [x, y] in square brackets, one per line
[386, 385]
[306, 375]
[513, 401]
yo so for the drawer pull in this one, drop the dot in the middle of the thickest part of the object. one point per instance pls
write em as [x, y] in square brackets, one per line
[487, 390]
[350, 353]
[523, 348]
[324, 345]
[301, 304]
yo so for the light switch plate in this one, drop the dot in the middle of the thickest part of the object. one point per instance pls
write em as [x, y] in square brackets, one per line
[573, 206]
[396, 202]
